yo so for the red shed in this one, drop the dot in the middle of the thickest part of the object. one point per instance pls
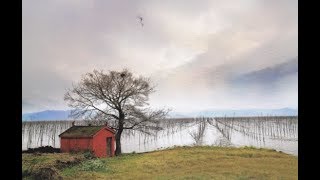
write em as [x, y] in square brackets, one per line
[98, 139]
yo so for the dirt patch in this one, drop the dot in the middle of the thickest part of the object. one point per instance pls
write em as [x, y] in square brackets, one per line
[42, 149]
[60, 164]
[49, 173]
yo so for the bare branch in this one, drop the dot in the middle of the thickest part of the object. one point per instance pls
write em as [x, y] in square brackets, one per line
[116, 97]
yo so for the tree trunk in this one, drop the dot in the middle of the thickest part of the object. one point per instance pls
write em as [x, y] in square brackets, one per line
[118, 142]
[119, 132]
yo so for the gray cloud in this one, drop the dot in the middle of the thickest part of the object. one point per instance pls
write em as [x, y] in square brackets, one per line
[190, 49]
[268, 75]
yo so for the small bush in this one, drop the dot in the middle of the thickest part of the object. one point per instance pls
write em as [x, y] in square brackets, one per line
[89, 155]
[42, 149]
[92, 165]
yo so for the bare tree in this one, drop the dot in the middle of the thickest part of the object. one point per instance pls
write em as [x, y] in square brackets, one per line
[199, 133]
[118, 98]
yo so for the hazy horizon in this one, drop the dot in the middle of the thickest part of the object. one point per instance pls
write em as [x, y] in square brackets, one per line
[209, 55]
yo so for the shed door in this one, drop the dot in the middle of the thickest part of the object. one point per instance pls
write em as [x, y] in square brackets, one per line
[109, 145]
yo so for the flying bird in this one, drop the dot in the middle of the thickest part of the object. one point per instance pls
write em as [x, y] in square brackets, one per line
[140, 19]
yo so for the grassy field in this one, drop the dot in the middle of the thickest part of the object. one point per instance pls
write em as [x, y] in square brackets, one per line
[177, 163]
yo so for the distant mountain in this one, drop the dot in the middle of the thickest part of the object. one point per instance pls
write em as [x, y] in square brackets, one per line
[177, 115]
[239, 112]
[64, 115]
[47, 115]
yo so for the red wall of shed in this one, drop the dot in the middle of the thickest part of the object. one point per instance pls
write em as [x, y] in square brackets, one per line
[75, 144]
[100, 143]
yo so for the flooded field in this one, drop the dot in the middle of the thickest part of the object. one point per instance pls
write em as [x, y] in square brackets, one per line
[280, 133]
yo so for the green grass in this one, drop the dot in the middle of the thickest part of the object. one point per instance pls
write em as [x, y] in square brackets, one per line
[187, 163]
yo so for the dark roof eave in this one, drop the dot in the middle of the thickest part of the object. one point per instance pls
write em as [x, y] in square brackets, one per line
[77, 137]
[91, 136]
[109, 129]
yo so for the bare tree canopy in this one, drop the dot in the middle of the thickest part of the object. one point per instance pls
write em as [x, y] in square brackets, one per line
[116, 97]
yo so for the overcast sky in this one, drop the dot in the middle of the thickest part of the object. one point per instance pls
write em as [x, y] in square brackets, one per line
[208, 54]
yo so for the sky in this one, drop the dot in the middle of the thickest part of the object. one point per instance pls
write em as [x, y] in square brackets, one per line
[209, 54]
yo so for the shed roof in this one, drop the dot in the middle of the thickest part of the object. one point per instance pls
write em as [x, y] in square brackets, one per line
[83, 131]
